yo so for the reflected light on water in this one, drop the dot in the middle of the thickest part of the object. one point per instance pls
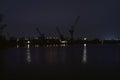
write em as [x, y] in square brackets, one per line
[52, 45]
[36, 45]
[17, 43]
[17, 46]
[84, 54]
[51, 56]
[62, 45]
[28, 46]
[28, 54]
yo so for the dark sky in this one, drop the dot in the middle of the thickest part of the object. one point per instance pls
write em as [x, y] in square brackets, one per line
[98, 18]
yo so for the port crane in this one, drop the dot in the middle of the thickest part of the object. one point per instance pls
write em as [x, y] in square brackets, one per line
[41, 35]
[60, 34]
[72, 29]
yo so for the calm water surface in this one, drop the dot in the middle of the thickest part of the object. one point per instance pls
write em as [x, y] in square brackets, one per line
[72, 59]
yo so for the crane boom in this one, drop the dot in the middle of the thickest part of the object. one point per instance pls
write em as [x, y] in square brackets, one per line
[40, 34]
[37, 29]
[76, 21]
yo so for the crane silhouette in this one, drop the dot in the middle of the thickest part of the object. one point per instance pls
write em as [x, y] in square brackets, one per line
[60, 34]
[41, 35]
[72, 28]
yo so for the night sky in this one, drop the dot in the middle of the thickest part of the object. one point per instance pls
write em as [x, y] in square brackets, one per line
[98, 18]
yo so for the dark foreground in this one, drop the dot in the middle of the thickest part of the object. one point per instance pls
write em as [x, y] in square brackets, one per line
[62, 72]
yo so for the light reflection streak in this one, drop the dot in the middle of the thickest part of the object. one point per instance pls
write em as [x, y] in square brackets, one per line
[36, 45]
[17, 43]
[84, 54]
[52, 45]
[28, 54]
[17, 46]
[51, 56]
[63, 45]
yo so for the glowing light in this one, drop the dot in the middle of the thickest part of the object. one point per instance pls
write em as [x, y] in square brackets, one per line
[17, 46]
[84, 45]
[28, 46]
[63, 42]
[85, 38]
[28, 42]
[63, 45]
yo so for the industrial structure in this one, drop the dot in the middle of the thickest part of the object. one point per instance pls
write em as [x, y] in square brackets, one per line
[61, 36]
[72, 29]
[41, 35]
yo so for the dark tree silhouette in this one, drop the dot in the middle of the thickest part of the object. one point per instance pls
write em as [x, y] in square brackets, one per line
[2, 25]
[3, 41]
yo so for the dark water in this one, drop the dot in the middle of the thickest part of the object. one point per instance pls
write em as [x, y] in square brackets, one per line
[61, 61]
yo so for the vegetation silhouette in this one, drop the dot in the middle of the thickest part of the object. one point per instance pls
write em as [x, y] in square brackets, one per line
[3, 40]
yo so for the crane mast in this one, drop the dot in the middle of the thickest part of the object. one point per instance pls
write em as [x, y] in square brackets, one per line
[60, 35]
[72, 29]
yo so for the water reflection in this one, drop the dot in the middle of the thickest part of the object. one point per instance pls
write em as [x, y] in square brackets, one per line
[56, 45]
[28, 54]
[63, 45]
[63, 55]
[17, 43]
[17, 46]
[36, 46]
[84, 60]
[51, 55]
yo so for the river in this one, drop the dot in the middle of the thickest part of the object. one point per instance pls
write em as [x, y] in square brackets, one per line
[53, 60]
